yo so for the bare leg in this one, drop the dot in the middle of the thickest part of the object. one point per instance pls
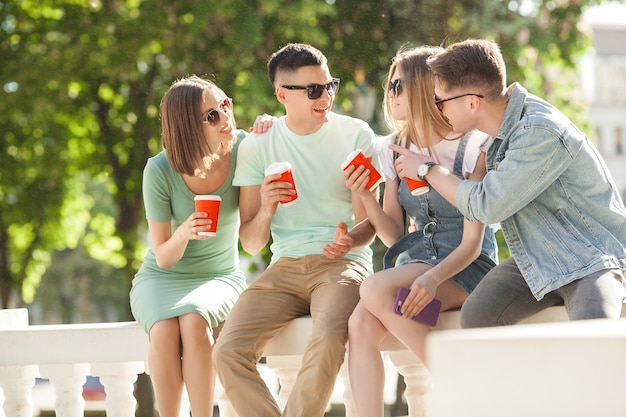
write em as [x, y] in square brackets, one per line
[198, 370]
[378, 296]
[165, 366]
[365, 364]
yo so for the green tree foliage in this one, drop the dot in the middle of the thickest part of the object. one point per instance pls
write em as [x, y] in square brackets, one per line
[82, 80]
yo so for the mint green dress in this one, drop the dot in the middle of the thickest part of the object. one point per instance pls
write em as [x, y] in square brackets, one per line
[207, 280]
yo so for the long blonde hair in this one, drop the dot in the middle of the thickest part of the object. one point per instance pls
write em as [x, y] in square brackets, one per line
[424, 121]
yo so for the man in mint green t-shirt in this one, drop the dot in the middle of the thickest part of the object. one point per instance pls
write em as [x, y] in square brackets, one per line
[320, 242]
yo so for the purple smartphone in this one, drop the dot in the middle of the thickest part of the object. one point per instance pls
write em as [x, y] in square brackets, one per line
[427, 316]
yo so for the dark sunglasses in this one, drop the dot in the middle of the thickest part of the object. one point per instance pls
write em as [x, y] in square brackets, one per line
[439, 101]
[213, 116]
[395, 87]
[314, 91]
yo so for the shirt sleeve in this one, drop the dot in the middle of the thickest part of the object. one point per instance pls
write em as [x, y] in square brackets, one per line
[367, 142]
[156, 193]
[249, 170]
[533, 160]
[472, 151]
[386, 157]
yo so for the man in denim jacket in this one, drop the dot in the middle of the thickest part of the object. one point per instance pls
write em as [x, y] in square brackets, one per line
[561, 214]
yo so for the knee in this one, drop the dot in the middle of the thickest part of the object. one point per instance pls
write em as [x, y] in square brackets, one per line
[473, 315]
[229, 351]
[363, 331]
[220, 352]
[329, 339]
[468, 320]
[195, 332]
[372, 294]
[165, 333]
[356, 323]
[367, 289]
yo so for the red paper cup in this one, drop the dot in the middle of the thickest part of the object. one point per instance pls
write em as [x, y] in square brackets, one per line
[209, 204]
[286, 175]
[356, 159]
[417, 187]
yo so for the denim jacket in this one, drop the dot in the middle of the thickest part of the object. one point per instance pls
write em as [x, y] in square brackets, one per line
[560, 211]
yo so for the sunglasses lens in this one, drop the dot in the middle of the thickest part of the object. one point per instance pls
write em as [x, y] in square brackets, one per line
[395, 87]
[315, 91]
[213, 117]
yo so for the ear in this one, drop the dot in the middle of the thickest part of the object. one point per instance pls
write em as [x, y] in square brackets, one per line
[280, 95]
[474, 103]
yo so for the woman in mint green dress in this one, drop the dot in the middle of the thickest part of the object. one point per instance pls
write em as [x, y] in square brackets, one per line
[188, 283]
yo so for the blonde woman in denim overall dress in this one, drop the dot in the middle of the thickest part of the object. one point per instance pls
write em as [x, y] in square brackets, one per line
[444, 257]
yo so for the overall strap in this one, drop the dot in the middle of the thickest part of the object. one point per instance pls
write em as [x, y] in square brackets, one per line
[395, 156]
[460, 155]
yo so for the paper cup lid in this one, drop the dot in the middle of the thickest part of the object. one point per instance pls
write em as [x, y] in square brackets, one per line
[349, 158]
[277, 168]
[208, 197]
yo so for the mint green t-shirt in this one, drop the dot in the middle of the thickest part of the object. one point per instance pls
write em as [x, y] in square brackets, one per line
[307, 225]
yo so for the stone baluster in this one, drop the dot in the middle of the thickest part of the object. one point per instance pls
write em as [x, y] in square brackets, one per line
[16, 381]
[118, 379]
[223, 403]
[17, 384]
[286, 368]
[348, 398]
[417, 379]
[67, 381]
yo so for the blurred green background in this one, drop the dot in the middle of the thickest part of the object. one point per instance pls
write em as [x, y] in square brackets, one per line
[82, 81]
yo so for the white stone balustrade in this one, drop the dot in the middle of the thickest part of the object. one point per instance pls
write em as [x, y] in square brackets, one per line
[117, 353]
[573, 369]
[66, 354]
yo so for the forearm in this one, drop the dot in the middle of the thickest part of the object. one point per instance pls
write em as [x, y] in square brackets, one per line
[171, 251]
[454, 263]
[363, 234]
[255, 234]
[442, 180]
[461, 257]
[387, 229]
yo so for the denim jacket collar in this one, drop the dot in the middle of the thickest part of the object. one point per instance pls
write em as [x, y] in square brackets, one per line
[514, 110]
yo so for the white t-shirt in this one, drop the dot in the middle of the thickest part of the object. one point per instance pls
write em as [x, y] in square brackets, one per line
[444, 150]
[307, 225]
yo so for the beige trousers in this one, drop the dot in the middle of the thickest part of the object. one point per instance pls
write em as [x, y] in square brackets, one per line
[326, 289]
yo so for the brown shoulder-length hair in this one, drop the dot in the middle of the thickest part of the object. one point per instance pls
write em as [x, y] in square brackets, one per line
[181, 125]
[423, 119]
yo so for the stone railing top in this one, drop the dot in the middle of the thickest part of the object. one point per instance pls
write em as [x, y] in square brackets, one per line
[73, 343]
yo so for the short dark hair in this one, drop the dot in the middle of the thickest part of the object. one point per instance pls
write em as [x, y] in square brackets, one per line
[293, 56]
[473, 63]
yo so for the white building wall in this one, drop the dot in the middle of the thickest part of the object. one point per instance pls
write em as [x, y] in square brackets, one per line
[603, 74]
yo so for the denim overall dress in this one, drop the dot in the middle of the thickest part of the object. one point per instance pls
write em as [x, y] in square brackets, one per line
[439, 229]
